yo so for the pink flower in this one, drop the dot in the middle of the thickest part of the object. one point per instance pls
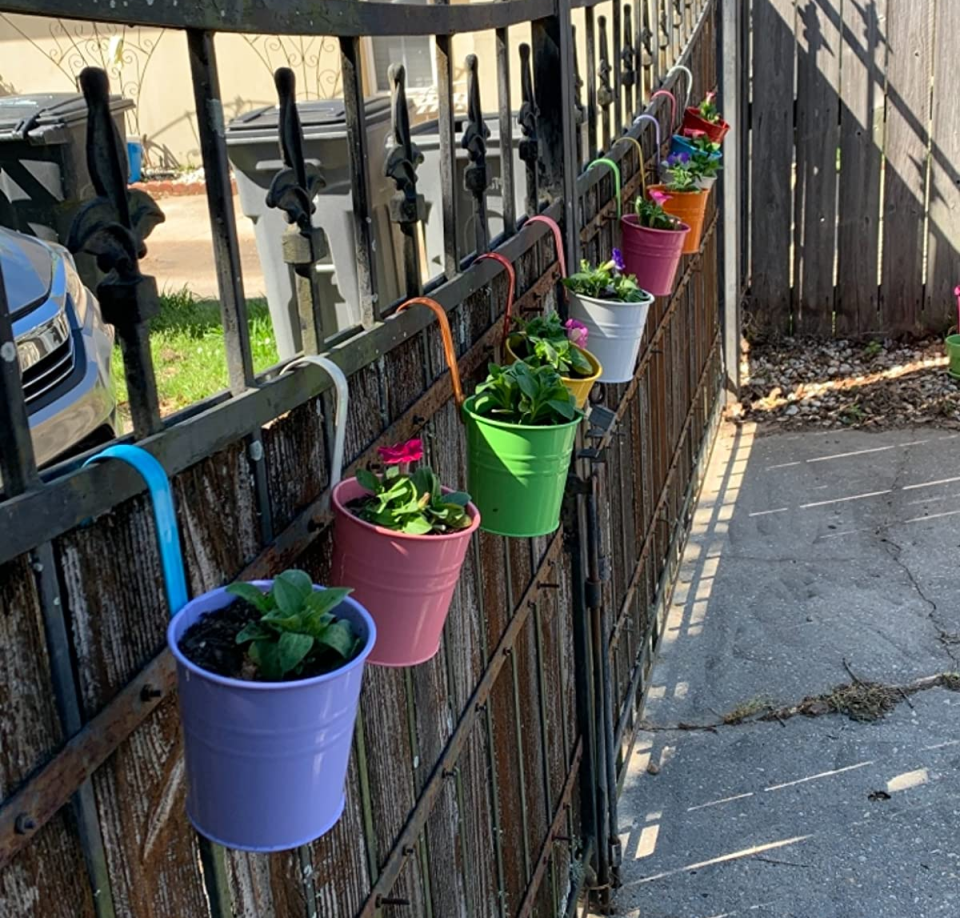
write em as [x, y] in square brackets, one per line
[711, 96]
[402, 453]
[694, 133]
[577, 332]
[658, 197]
[956, 290]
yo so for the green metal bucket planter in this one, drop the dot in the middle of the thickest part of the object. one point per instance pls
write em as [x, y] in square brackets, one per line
[516, 474]
[951, 343]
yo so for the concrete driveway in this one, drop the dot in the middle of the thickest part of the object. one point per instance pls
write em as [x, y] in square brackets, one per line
[180, 251]
[817, 560]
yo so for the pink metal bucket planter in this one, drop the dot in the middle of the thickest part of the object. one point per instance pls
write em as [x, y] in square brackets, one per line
[653, 255]
[405, 581]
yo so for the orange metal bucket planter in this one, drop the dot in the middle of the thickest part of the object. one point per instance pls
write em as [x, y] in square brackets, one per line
[691, 208]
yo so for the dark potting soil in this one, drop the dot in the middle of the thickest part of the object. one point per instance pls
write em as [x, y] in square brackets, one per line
[211, 642]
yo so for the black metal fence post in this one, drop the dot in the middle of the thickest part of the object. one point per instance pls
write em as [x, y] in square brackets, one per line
[605, 93]
[628, 58]
[529, 146]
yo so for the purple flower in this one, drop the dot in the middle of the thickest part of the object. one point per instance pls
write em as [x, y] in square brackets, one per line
[577, 332]
[618, 262]
[677, 159]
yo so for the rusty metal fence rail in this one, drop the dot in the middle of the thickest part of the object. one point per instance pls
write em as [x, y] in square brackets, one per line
[484, 782]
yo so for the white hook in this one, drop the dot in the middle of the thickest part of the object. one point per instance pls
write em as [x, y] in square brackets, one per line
[656, 125]
[340, 415]
[687, 71]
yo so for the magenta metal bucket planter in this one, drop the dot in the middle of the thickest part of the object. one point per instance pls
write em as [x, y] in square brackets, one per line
[653, 255]
[266, 761]
[405, 581]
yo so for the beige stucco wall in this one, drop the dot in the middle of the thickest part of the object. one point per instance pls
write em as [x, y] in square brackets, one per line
[152, 67]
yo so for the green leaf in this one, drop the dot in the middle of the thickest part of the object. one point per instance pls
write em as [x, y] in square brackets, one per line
[417, 526]
[566, 408]
[251, 594]
[252, 631]
[340, 637]
[368, 481]
[279, 621]
[267, 659]
[327, 600]
[290, 589]
[460, 498]
[291, 650]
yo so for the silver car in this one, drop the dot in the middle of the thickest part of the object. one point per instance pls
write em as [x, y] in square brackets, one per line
[63, 345]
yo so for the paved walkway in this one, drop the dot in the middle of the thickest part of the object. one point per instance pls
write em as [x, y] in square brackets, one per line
[815, 558]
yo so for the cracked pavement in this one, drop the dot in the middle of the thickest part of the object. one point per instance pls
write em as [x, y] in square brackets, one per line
[813, 556]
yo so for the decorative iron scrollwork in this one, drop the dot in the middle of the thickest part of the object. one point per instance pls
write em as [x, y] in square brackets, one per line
[527, 116]
[294, 187]
[580, 111]
[403, 155]
[475, 134]
[605, 94]
[646, 37]
[114, 225]
[627, 56]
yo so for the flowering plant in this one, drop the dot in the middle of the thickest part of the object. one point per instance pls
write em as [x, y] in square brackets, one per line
[577, 332]
[411, 502]
[521, 394]
[607, 281]
[708, 108]
[683, 172]
[544, 341]
[699, 139]
[651, 213]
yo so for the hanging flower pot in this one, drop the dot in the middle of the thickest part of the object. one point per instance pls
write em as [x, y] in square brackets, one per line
[952, 342]
[652, 244]
[269, 677]
[521, 425]
[612, 308]
[545, 341]
[706, 118]
[690, 208]
[400, 541]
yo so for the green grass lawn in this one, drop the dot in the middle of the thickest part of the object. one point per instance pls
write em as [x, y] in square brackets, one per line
[189, 358]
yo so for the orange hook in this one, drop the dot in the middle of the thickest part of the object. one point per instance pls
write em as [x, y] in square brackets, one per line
[512, 275]
[449, 351]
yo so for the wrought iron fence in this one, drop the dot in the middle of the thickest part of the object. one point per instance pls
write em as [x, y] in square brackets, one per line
[484, 782]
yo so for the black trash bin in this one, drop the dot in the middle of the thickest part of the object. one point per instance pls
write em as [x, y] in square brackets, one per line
[43, 168]
[254, 152]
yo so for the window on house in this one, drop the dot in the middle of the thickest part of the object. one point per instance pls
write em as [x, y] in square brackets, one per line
[415, 52]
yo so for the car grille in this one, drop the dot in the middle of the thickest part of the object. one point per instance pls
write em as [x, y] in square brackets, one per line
[43, 373]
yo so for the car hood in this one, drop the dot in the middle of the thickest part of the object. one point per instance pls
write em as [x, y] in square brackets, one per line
[27, 270]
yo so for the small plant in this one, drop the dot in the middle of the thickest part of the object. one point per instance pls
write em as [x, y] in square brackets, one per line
[708, 108]
[545, 341]
[297, 631]
[872, 349]
[410, 502]
[684, 172]
[700, 141]
[607, 281]
[705, 164]
[521, 394]
[651, 213]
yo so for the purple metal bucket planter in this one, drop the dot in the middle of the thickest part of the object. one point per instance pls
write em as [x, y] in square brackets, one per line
[405, 581]
[653, 255]
[266, 761]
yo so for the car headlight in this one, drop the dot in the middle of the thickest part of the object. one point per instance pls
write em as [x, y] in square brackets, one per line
[76, 292]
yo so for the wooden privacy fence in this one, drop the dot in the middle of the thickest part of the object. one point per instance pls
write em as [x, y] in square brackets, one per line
[484, 782]
[854, 167]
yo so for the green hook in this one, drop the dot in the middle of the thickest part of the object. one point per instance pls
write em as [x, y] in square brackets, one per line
[616, 179]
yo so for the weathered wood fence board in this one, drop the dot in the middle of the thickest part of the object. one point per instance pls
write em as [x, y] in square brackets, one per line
[474, 782]
[872, 238]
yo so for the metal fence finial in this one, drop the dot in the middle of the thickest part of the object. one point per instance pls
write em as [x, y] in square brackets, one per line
[113, 227]
[474, 141]
[605, 95]
[628, 77]
[293, 190]
[529, 148]
[403, 157]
